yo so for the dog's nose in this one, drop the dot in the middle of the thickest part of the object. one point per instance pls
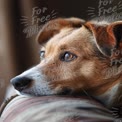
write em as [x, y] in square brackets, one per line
[21, 83]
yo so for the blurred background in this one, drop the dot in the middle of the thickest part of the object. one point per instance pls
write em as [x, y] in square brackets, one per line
[20, 21]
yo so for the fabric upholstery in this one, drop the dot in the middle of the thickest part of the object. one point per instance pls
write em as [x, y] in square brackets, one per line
[55, 109]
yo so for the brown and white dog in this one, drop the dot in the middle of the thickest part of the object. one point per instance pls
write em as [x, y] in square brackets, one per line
[77, 56]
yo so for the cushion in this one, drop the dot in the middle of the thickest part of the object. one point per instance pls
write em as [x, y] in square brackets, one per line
[55, 109]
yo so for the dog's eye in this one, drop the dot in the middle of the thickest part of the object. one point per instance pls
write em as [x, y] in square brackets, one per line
[67, 56]
[42, 54]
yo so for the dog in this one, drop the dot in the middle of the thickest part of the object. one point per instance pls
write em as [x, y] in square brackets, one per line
[77, 56]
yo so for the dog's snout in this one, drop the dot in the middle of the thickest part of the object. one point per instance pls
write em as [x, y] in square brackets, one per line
[21, 83]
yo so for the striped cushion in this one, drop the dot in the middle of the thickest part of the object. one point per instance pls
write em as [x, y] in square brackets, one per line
[55, 109]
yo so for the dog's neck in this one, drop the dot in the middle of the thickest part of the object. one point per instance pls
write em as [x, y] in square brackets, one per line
[111, 96]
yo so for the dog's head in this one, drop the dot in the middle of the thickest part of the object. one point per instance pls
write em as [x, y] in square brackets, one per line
[75, 56]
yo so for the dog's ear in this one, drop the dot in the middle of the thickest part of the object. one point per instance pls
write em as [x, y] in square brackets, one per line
[54, 26]
[107, 37]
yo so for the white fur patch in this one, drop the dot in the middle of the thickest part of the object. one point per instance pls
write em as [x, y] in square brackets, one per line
[40, 84]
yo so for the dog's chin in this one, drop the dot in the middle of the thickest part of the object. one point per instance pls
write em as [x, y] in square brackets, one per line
[42, 92]
[34, 92]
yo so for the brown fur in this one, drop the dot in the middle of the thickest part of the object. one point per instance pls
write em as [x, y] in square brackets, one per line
[80, 42]
[91, 42]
